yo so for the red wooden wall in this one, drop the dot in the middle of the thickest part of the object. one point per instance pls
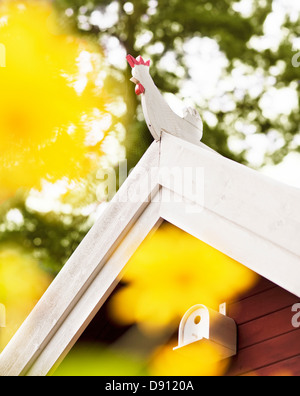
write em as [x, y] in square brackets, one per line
[268, 344]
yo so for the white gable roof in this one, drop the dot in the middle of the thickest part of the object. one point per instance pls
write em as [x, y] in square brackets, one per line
[242, 213]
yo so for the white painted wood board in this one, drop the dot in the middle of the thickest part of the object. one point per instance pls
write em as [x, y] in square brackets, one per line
[95, 296]
[241, 195]
[78, 273]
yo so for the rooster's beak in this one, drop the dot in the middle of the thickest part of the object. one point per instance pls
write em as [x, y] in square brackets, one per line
[134, 80]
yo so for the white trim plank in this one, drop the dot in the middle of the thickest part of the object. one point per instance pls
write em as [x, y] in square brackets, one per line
[96, 295]
[258, 254]
[83, 266]
[243, 196]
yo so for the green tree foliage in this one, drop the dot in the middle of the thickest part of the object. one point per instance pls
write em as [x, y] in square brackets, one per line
[52, 237]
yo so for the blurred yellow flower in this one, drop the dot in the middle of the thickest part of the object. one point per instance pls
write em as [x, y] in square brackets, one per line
[46, 103]
[198, 359]
[171, 272]
[22, 283]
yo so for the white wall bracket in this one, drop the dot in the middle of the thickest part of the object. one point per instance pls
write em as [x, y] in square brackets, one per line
[203, 325]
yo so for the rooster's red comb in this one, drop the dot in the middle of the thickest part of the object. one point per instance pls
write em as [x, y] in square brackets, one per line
[138, 61]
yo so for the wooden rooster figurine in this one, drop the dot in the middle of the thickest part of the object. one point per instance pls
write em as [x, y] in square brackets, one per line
[158, 114]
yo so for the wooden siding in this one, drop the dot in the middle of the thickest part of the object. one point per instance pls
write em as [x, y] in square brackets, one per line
[268, 344]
